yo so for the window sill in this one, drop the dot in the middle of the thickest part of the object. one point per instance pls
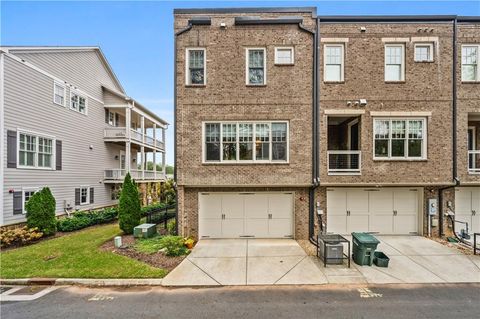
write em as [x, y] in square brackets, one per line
[396, 82]
[256, 85]
[36, 168]
[471, 82]
[83, 113]
[62, 105]
[334, 82]
[424, 61]
[284, 64]
[195, 85]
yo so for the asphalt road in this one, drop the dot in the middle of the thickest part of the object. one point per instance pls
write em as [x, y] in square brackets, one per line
[383, 301]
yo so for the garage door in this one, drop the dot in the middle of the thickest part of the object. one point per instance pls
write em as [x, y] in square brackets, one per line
[467, 208]
[234, 215]
[385, 210]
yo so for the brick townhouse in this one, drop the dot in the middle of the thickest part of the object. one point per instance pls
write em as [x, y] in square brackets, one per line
[283, 116]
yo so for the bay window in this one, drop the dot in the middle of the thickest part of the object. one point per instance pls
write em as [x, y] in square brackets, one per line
[257, 142]
[399, 139]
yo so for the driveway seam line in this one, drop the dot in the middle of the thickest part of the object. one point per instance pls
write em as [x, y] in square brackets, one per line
[470, 258]
[427, 268]
[205, 272]
[275, 282]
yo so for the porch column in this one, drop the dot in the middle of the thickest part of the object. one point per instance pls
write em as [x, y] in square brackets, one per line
[154, 151]
[142, 121]
[142, 155]
[163, 164]
[128, 150]
[128, 156]
[154, 135]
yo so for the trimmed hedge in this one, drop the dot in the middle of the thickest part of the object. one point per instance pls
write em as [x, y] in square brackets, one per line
[84, 219]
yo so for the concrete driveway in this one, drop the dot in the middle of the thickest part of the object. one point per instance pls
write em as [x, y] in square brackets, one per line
[413, 259]
[215, 262]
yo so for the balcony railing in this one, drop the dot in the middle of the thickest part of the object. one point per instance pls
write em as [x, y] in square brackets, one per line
[116, 174]
[344, 162]
[474, 162]
[113, 133]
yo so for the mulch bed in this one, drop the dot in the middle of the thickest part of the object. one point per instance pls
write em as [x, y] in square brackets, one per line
[158, 259]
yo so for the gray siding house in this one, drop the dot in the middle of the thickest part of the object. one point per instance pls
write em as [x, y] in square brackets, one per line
[67, 123]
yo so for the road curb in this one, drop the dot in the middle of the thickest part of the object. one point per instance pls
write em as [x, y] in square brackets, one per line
[81, 282]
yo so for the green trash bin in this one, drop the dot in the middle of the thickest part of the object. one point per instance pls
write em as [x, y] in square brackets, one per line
[364, 246]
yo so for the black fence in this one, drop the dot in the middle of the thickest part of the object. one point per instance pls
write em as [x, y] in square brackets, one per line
[161, 215]
[476, 243]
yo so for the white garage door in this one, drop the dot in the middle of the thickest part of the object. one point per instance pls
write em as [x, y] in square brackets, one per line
[385, 210]
[467, 208]
[233, 215]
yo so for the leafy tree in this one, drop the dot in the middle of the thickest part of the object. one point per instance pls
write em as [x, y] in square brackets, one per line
[129, 207]
[41, 212]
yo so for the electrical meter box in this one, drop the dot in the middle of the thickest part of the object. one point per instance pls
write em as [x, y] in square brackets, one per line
[432, 206]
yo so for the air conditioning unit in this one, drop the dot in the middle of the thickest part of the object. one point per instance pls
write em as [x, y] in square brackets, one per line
[334, 253]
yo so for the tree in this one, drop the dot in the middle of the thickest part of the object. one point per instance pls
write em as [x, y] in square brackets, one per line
[41, 212]
[129, 207]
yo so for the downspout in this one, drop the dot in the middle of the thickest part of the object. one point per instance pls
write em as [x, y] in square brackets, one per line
[189, 26]
[311, 193]
[456, 180]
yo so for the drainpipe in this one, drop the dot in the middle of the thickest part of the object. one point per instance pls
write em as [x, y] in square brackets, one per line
[315, 179]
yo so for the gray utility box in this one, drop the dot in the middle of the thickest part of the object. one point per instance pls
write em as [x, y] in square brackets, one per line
[334, 253]
[145, 230]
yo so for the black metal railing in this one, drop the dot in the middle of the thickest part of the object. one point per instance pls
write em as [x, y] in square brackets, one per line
[475, 243]
[161, 215]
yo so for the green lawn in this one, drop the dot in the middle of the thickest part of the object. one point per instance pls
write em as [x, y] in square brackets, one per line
[78, 256]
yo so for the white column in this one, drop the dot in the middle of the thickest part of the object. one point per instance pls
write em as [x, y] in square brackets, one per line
[128, 148]
[154, 135]
[128, 156]
[142, 121]
[142, 155]
[155, 163]
[163, 164]
[163, 139]
[128, 121]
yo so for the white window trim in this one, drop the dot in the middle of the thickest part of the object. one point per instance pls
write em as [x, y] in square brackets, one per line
[423, 44]
[27, 189]
[114, 118]
[404, 158]
[238, 161]
[342, 66]
[264, 66]
[292, 50]
[187, 62]
[402, 71]
[477, 79]
[88, 195]
[56, 83]
[81, 94]
[37, 135]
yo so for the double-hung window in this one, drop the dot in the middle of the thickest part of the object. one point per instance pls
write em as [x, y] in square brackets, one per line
[399, 138]
[84, 199]
[394, 62]
[256, 67]
[35, 151]
[423, 52]
[196, 67]
[256, 142]
[27, 194]
[470, 58]
[59, 93]
[334, 66]
[78, 102]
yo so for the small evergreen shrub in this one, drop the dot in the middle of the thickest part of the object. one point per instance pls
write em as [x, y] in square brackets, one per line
[129, 207]
[41, 212]
[84, 219]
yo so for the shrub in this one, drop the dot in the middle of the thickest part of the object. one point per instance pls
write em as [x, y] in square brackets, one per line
[129, 208]
[171, 227]
[174, 245]
[41, 212]
[19, 236]
[84, 219]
